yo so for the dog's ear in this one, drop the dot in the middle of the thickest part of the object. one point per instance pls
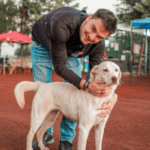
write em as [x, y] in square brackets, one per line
[119, 76]
[93, 72]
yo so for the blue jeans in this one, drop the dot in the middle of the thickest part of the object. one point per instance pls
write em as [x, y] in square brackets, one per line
[42, 71]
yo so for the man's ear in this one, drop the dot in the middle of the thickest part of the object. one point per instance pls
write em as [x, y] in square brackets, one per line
[89, 17]
[93, 72]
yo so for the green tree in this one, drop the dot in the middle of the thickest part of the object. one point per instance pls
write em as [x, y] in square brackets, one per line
[144, 8]
[27, 14]
[128, 10]
[20, 15]
[8, 13]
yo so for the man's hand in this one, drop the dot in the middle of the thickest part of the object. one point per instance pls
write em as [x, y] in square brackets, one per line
[97, 90]
[107, 106]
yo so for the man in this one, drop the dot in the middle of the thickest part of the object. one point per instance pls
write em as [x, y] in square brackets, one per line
[61, 38]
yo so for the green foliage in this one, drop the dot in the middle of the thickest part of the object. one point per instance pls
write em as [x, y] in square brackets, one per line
[8, 13]
[144, 8]
[20, 15]
[23, 52]
[128, 10]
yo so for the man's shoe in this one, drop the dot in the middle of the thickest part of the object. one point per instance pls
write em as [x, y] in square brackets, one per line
[65, 145]
[47, 139]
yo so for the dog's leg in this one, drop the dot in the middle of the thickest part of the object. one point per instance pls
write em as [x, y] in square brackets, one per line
[36, 121]
[99, 131]
[48, 122]
[83, 135]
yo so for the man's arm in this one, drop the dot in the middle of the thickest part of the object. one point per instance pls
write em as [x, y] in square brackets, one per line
[59, 36]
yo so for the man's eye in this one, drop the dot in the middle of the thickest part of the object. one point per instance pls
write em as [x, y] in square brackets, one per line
[99, 37]
[93, 28]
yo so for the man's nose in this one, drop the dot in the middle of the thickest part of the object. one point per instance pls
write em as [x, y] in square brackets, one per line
[92, 37]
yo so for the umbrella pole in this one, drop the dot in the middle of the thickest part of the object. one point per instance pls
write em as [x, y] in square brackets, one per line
[4, 66]
[4, 62]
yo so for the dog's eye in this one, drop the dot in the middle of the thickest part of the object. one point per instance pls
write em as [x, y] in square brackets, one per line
[116, 70]
[105, 70]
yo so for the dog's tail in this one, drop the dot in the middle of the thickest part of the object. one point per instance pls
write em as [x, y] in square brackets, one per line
[23, 87]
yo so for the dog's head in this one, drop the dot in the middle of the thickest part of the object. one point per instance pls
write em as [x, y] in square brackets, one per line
[107, 71]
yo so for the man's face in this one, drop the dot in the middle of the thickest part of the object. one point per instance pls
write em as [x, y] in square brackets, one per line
[92, 31]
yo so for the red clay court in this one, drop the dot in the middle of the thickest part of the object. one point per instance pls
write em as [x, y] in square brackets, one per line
[128, 127]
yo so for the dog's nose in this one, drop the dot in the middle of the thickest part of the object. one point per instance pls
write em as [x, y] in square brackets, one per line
[114, 79]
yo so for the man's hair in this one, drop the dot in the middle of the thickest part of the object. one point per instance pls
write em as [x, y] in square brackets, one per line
[108, 18]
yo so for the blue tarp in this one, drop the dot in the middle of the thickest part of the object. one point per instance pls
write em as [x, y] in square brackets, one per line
[141, 23]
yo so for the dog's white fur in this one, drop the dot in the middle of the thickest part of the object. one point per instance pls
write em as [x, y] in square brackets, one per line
[77, 105]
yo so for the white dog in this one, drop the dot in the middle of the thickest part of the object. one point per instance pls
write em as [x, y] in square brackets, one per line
[77, 105]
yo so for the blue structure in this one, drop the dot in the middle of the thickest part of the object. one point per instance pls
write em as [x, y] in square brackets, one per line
[142, 24]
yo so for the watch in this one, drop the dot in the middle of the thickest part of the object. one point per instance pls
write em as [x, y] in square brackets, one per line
[86, 85]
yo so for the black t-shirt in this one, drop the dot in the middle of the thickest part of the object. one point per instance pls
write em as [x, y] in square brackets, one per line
[54, 31]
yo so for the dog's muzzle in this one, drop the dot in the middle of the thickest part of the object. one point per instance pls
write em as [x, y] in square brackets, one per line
[114, 79]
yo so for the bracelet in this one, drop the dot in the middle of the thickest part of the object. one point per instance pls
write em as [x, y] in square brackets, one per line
[86, 85]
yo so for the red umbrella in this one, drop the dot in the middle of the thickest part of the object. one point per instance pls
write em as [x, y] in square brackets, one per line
[15, 37]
